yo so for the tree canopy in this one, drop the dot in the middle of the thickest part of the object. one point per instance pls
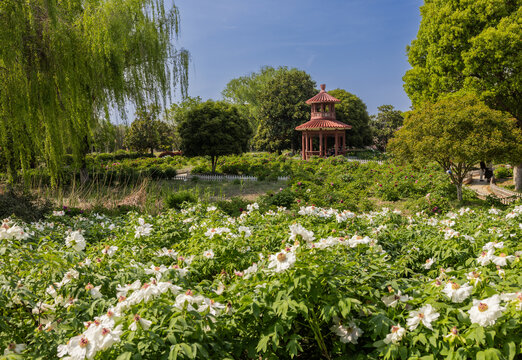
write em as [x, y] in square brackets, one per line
[245, 92]
[282, 108]
[352, 111]
[149, 133]
[457, 132]
[473, 45]
[65, 63]
[384, 124]
[470, 45]
[213, 129]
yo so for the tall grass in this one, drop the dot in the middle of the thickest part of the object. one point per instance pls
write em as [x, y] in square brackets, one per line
[144, 194]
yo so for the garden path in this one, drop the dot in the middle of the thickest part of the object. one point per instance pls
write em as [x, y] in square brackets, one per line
[480, 187]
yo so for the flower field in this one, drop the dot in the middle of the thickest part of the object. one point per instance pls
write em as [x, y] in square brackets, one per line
[306, 284]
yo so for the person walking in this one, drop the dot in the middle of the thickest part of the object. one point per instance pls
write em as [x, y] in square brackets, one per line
[482, 170]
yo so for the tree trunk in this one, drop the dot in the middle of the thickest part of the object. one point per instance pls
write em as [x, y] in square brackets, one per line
[84, 175]
[84, 172]
[517, 177]
[214, 163]
[459, 192]
[152, 151]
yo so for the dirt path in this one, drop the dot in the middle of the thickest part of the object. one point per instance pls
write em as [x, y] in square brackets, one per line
[480, 187]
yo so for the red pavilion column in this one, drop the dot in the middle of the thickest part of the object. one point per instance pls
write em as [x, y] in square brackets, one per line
[336, 143]
[303, 141]
[311, 148]
[320, 143]
[344, 142]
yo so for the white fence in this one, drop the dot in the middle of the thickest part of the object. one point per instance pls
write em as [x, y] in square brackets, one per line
[349, 158]
[186, 177]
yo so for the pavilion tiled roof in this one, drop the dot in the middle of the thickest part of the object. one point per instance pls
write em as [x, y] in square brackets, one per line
[323, 97]
[318, 124]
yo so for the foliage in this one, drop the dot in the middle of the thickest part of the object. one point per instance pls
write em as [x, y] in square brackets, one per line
[108, 137]
[282, 108]
[177, 199]
[457, 132]
[283, 198]
[170, 153]
[22, 205]
[64, 63]
[148, 133]
[175, 114]
[503, 172]
[245, 92]
[213, 129]
[324, 284]
[384, 125]
[352, 111]
[472, 45]
[233, 207]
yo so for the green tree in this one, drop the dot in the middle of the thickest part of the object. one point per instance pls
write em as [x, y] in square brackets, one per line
[457, 132]
[472, 45]
[245, 92]
[352, 111]
[213, 129]
[104, 136]
[63, 64]
[282, 108]
[384, 124]
[149, 133]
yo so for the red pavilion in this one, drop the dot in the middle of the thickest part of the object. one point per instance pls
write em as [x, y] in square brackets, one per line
[323, 126]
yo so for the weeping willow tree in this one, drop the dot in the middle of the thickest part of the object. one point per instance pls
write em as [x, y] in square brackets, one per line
[65, 63]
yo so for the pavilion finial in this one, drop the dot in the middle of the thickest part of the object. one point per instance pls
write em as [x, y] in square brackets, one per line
[323, 87]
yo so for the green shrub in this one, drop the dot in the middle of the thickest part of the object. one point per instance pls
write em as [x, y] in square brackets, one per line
[176, 200]
[23, 205]
[200, 169]
[285, 197]
[503, 172]
[233, 207]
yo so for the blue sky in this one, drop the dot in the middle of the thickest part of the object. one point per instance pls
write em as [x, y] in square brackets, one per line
[357, 45]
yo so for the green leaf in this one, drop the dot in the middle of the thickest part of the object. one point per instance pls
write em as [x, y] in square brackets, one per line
[510, 349]
[263, 344]
[124, 356]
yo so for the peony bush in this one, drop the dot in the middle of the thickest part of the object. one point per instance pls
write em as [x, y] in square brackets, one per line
[306, 283]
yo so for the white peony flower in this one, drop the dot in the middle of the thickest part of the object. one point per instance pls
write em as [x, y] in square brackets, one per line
[13, 348]
[245, 230]
[252, 207]
[425, 315]
[298, 230]
[502, 259]
[394, 299]
[209, 254]
[486, 312]
[75, 240]
[167, 252]
[428, 263]
[485, 257]
[457, 293]
[358, 240]
[145, 324]
[514, 298]
[281, 261]
[143, 229]
[396, 335]
[474, 277]
[494, 211]
[493, 245]
[109, 250]
[347, 334]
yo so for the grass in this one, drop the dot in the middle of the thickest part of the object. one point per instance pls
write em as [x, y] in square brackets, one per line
[147, 195]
